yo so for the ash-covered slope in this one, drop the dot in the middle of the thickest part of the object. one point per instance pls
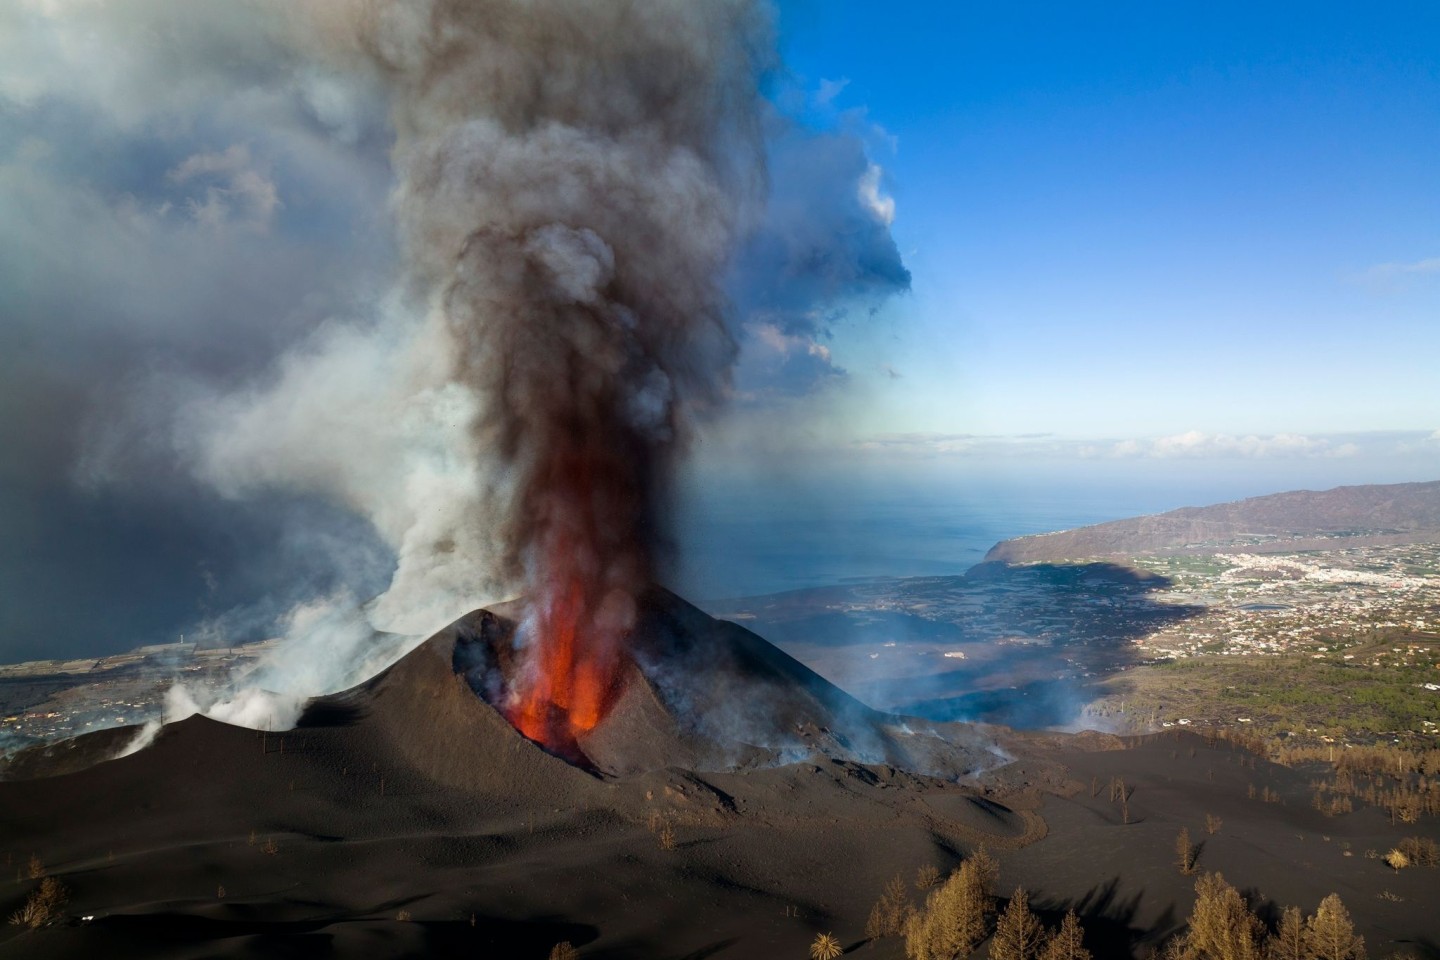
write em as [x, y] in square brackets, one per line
[1299, 520]
[697, 694]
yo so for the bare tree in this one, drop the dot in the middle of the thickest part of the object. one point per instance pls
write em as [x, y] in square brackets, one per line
[1329, 934]
[1221, 925]
[1185, 852]
[1018, 934]
[1067, 943]
[43, 906]
[955, 918]
[1397, 860]
[887, 917]
[1288, 940]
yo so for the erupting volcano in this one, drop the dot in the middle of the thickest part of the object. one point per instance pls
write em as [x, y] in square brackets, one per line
[683, 691]
[573, 652]
[583, 202]
[588, 559]
[571, 682]
[574, 241]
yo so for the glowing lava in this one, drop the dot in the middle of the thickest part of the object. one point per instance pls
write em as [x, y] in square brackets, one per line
[573, 667]
[581, 612]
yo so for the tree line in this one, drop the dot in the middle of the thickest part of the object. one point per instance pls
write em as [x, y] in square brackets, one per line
[960, 912]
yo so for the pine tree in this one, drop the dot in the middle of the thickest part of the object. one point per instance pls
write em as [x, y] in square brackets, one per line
[1018, 934]
[1186, 851]
[1067, 943]
[987, 873]
[1221, 925]
[917, 946]
[887, 917]
[955, 917]
[1329, 935]
[1176, 949]
[1288, 940]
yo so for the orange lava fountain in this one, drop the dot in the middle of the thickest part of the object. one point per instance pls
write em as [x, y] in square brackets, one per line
[574, 671]
[582, 609]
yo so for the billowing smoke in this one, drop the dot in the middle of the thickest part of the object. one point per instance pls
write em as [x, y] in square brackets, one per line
[572, 182]
[587, 234]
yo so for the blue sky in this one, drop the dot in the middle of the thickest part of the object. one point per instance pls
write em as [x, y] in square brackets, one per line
[1148, 219]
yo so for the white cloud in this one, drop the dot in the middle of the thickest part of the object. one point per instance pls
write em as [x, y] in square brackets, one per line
[1194, 443]
[1125, 448]
[964, 445]
[1191, 444]
[787, 345]
[234, 189]
[1386, 270]
[873, 197]
[830, 89]
[140, 59]
[776, 363]
[1390, 277]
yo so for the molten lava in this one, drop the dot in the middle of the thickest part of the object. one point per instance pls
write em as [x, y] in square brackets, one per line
[582, 608]
[573, 671]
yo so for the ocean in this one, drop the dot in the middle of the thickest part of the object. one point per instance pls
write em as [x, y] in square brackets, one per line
[750, 539]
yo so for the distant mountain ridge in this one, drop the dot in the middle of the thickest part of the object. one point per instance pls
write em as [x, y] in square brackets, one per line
[1370, 515]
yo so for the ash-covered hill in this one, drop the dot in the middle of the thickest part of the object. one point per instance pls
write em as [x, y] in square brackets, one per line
[412, 797]
[708, 695]
[696, 694]
[1372, 515]
[407, 817]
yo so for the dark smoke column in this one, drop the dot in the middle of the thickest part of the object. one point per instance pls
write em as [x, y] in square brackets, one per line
[573, 180]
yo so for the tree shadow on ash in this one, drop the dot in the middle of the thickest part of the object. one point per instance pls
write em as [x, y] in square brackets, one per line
[709, 950]
[1429, 949]
[1028, 645]
[1109, 919]
[143, 935]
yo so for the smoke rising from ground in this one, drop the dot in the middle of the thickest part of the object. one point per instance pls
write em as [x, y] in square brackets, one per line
[587, 235]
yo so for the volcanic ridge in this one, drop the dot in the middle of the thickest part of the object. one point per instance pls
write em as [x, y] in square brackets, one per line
[708, 695]
[1358, 516]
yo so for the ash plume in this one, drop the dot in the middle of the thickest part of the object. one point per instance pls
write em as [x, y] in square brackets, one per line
[593, 207]
[572, 182]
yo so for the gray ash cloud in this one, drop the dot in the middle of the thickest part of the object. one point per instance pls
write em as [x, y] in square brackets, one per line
[592, 207]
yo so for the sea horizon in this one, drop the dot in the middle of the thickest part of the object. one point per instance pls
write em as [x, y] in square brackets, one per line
[753, 539]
